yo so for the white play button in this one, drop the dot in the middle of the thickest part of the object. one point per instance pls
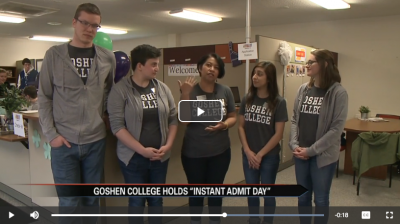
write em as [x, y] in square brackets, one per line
[10, 215]
[199, 111]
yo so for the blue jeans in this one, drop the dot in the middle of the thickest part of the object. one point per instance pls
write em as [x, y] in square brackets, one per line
[317, 180]
[78, 164]
[141, 170]
[267, 174]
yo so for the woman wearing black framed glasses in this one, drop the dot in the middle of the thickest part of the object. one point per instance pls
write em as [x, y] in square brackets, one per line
[319, 116]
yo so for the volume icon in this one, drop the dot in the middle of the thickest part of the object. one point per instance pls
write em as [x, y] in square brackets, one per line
[35, 215]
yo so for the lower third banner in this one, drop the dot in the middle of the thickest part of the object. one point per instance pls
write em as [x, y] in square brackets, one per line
[165, 190]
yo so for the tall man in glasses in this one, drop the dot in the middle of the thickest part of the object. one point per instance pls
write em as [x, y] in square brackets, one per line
[76, 78]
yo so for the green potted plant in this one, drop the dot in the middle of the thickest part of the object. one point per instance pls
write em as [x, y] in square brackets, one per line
[12, 101]
[364, 112]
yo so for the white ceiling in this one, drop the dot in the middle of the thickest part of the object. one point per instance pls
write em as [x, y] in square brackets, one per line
[143, 19]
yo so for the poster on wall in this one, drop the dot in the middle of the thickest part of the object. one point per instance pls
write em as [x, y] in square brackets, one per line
[288, 70]
[292, 69]
[295, 69]
[183, 70]
[300, 54]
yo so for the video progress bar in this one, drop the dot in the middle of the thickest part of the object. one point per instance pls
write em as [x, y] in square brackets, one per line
[186, 215]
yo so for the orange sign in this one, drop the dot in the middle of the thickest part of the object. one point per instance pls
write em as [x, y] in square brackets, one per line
[300, 54]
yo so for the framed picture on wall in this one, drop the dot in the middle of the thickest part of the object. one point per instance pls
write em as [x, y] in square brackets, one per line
[38, 64]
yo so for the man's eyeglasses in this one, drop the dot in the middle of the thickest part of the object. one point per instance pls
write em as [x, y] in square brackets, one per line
[310, 62]
[86, 24]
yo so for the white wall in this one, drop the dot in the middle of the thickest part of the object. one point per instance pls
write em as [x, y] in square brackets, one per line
[128, 45]
[13, 50]
[368, 54]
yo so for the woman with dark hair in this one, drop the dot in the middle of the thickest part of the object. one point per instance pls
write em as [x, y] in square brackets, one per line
[319, 116]
[262, 118]
[206, 152]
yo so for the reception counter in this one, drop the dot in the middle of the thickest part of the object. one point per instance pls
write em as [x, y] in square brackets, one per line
[21, 165]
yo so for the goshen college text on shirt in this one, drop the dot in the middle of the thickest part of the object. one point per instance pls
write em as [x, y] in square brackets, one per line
[82, 65]
[149, 101]
[258, 114]
[311, 105]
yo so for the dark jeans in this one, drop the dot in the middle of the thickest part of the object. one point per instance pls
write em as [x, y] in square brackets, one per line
[267, 174]
[317, 180]
[208, 170]
[78, 164]
[141, 170]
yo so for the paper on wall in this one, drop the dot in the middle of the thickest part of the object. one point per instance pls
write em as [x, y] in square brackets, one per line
[248, 51]
[183, 70]
[300, 54]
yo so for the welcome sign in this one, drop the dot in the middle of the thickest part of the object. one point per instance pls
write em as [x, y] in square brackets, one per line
[183, 70]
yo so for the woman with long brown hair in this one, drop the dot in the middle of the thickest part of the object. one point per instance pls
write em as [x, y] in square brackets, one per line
[262, 118]
[319, 116]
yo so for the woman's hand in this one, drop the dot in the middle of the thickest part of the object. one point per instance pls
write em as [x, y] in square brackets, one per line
[301, 153]
[187, 86]
[150, 153]
[219, 126]
[259, 158]
[251, 157]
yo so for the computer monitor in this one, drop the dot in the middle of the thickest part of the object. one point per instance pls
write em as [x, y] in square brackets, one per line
[236, 95]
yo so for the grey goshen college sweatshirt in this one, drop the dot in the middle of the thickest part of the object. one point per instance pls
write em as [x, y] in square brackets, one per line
[126, 111]
[331, 121]
[69, 108]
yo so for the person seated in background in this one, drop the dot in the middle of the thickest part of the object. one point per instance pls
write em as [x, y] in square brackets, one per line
[30, 93]
[28, 76]
[3, 82]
